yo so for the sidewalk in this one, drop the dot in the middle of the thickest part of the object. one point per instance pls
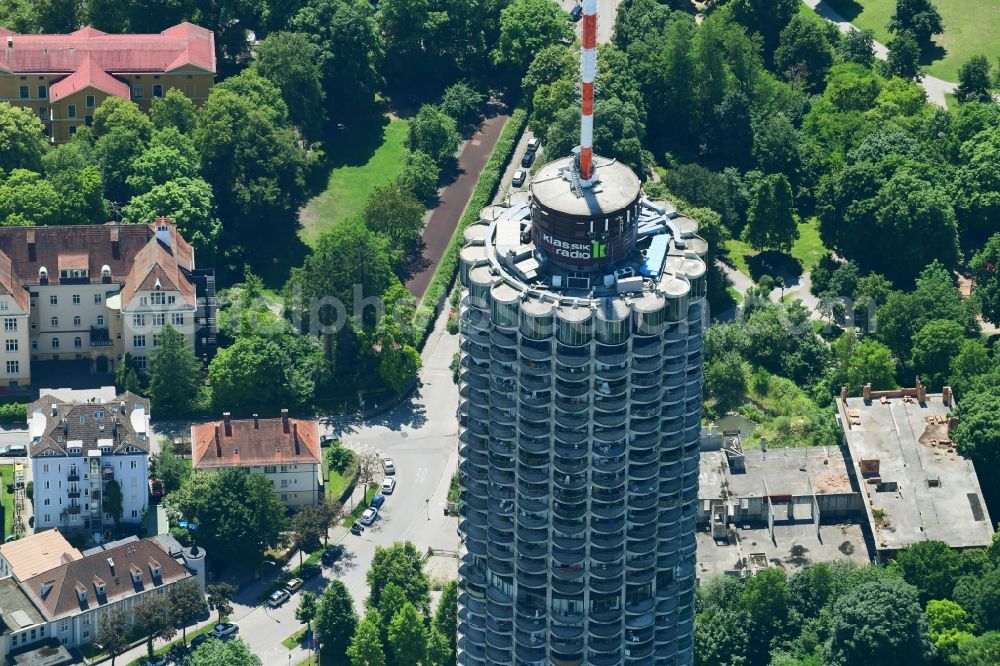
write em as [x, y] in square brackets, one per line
[935, 87]
[444, 220]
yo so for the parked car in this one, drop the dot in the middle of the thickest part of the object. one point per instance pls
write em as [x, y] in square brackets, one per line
[519, 177]
[369, 517]
[14, 450]
[293, 585]
[223, 630]
[157, 661]
[199, 639]
[155, 488]
[356, 528]
[533, 144]
[377, 501]
[332, 554]
[527, 160]
[388, 486]
[388, 466]
[576, 13]
[277, 598]
[327, 440]
[309, 572]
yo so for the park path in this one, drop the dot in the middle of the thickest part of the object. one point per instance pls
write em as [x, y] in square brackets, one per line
[936, 88]
[453, 199]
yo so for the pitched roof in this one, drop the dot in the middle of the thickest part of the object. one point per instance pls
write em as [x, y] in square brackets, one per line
[248, 442]
[91, 424]
[181, 45]
[74, 586]
[89, 75]
[35, 553]
[120, 247]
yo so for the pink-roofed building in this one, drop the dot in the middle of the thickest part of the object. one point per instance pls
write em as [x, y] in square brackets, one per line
[64, 78]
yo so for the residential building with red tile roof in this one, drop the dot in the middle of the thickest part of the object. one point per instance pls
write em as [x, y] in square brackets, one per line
[93, 293]
[285, 450]
[64, 78]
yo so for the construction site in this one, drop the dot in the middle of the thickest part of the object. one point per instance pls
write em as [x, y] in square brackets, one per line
[896, 479]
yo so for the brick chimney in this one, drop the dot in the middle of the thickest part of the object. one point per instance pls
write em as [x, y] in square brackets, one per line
[946, 396]
[843, 394]
[866, 392]
[256, 422]
[227, 420]
[284, 421]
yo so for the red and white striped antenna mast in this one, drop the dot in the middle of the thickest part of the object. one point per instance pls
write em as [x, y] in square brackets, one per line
[588, 67]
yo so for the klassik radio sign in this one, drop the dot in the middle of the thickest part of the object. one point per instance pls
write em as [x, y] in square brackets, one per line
[572, 250]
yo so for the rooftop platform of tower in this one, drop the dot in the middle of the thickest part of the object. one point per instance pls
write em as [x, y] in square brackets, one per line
[615, 245]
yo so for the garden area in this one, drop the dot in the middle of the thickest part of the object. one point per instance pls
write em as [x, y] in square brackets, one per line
[805, 253]
[366, 157]
[7, 498]
[969, 29]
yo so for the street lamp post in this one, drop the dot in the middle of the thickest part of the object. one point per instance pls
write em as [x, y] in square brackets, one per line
[427, 505]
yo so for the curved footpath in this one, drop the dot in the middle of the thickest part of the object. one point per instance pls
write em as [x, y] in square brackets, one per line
[935, 87]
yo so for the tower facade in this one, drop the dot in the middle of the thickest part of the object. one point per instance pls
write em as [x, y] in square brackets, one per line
[579, 421]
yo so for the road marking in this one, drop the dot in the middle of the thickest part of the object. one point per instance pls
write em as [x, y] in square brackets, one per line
[421, 476]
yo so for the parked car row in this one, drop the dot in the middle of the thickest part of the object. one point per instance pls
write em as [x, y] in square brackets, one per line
[179, 654]
[370, 515]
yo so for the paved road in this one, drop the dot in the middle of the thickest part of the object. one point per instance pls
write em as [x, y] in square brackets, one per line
[453, 199]
[936, 88]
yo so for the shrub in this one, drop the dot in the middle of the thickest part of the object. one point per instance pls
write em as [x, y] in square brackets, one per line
[14, 412]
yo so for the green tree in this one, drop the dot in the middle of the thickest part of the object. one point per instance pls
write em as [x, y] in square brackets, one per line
[720, 638]
[175, 110]
[420, 176]
[238, 514]
[974, 81]
[308, 530]
[174, 374]
[255, 164]
[725, 380]
[439, 652]
[804, 52]
[776, 145]
[407, 637]
[122, 133]
[188, 204]
[972, 360]
[934, 347]
[433, 132]
[366, 642]
[551, 64]
[336, 622]
[113, 499]
[878, 622]
[771, 219]
[977, 198]
[19, 16]
[27, 199]
[766, 18]
[187, 604]
[919, 17]
[292, 63]
[22, 139]
[764, 599]
[872, 362]
[857, 46]
[904, 58]
[930, 566]
[947, 625]
[527, 27]
[405, 26]
[446, 617]
[228, 653]
[395, 213]
[349, 254]
[977, 650]
[220, 599]
[161, 163]
[169, 468]
[347, 36]
[399, 564]
[463, 103]
[113, 632]
[254, 375]
[152, 618]
[307, 608]
[81, 194]
[618, 132]
[126, 378]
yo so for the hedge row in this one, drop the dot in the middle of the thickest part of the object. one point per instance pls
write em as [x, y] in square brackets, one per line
[14, 412]
[486, 187]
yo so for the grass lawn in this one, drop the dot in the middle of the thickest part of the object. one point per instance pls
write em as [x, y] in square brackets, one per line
[337, 483]
[806, 250]
[295, 639]
[7, 498]
[368, 158]
[360, 508]
[970, 28]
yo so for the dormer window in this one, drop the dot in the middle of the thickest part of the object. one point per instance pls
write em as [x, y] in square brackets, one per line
[46, 588]
[100, 588]
[136, 574]
[81, 593]
[154, 568]
[43, 274]
[105, 271]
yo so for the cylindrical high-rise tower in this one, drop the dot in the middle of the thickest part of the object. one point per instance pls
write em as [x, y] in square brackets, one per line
[580, 404]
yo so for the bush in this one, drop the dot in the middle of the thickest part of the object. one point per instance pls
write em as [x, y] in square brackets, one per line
[14, 412]
[486, 187]
[338, 458]
[29, 491]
